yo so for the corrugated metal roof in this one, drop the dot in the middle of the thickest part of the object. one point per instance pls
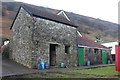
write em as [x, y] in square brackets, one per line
[83, 41]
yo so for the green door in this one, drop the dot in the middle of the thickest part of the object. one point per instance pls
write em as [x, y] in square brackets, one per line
[104, 58]
[80, 56]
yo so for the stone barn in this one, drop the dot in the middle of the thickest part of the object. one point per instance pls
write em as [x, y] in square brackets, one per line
[94, 52]
[38, 35]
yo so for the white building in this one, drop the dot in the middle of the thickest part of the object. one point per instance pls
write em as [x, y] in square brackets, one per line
[111, 44]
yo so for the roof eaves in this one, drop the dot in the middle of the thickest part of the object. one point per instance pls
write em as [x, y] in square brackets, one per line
[54, 20]
[92, 47]
[109, 42]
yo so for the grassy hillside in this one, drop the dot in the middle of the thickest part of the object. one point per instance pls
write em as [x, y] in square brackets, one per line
[90, 27]
[93, 27]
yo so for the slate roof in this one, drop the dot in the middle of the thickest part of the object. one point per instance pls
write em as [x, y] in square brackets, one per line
[83, 41]
[41, 13]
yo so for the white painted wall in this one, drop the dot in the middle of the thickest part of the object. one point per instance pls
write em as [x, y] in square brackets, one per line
[111, 44]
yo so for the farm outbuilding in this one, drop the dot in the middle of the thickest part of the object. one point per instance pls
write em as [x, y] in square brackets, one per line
[41, 36]
[38, 35]
[94, 52]
[111, 45]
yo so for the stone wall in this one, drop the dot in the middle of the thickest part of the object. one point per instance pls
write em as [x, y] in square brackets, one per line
[21, 39]
[47, 32]
[96, 57]
[31, 39]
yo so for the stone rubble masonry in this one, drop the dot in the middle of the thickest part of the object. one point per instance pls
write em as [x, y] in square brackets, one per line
[95, 58]
[32, 36]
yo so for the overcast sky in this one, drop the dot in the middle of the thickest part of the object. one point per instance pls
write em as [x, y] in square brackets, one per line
[102, 9]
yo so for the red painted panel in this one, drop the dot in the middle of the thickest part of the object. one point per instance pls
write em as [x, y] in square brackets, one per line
[117, 59]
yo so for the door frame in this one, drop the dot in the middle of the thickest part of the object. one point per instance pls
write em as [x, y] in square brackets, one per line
[51, 54]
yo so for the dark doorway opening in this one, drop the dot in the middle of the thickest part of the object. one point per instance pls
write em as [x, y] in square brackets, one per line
[113, 57]
[53, 54]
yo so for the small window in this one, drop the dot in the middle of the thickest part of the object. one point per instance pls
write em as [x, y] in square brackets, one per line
[67, 49]
[96, 51]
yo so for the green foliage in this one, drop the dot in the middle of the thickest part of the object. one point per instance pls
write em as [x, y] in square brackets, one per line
[98, 36]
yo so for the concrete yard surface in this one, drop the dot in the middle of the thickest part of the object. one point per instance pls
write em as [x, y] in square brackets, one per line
[10, 68]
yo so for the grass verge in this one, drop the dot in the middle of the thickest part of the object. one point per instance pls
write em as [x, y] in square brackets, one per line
[103, 72]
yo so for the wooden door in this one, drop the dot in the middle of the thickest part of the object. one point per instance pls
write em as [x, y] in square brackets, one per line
[80, 56]
[104, 57]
